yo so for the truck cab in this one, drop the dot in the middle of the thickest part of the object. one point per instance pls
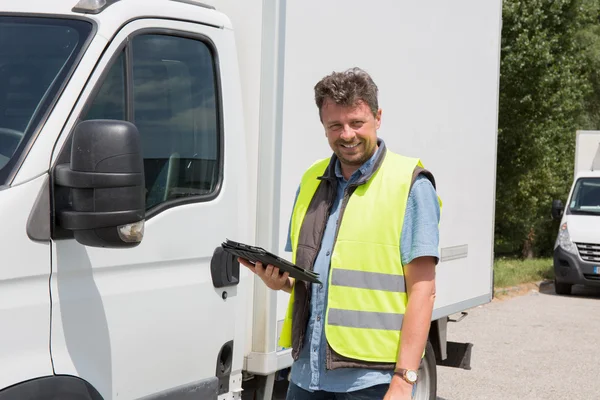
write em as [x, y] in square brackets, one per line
[118, 122]
[577, 248]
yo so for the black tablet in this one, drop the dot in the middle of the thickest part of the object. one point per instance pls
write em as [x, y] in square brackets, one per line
[254, 254]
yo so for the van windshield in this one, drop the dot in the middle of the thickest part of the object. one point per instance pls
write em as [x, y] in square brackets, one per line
[586, 197]
[36, 58]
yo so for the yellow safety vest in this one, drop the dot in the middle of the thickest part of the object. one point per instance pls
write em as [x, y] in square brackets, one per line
[367, 294]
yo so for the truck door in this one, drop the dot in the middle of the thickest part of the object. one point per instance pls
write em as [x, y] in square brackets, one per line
[151, 320]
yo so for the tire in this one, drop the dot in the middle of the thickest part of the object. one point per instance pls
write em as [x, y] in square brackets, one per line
[427, 383]
[562, 288]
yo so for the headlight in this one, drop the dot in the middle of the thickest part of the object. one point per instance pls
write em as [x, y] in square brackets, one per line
[564, 240]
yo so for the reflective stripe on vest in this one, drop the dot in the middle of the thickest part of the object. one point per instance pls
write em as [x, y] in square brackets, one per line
[368, 280]
[366, 320]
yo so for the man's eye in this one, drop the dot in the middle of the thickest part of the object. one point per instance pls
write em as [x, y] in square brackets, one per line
[357, 123]
[335, 126]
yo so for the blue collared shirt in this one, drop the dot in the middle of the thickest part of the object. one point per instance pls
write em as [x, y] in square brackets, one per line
[420, 237]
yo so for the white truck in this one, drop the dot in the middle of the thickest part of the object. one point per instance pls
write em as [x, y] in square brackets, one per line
[137, 135]
[577, 247]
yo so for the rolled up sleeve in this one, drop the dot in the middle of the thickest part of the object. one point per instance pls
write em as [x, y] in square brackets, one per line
[420, 231]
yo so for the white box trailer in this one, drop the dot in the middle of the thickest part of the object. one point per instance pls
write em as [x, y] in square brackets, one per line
[587, 152]
[437, 68]
[223, 103]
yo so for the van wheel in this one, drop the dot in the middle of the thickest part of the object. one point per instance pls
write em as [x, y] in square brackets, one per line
[562, 288]
[427, 383]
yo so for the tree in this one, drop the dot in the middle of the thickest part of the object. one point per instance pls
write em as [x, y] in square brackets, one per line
[544, 84]
[589, 39]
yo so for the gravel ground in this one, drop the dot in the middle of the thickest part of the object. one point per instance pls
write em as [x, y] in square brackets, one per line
[536, 346]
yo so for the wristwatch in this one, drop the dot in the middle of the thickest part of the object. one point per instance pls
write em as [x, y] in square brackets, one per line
[408, 375]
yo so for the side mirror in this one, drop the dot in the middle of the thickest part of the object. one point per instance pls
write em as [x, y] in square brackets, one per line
[106, 181]
[557, 209]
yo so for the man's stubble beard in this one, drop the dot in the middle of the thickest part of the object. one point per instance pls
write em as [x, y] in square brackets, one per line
[356, 163]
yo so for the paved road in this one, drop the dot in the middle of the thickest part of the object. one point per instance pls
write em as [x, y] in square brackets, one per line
[536, 346]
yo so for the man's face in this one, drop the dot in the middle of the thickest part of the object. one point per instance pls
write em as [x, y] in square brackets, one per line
[351, 131]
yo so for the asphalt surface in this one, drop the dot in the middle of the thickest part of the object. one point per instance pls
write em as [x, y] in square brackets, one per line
[536, 346]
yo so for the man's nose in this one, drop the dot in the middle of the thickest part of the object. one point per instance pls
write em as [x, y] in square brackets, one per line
[347, 133]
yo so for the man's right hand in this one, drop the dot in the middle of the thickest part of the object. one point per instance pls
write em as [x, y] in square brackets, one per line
[270, 275]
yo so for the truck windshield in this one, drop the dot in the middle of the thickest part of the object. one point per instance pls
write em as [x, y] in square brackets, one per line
[586, 197]
[36, 58]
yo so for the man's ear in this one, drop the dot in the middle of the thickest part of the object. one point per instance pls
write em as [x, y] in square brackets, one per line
[378, 118]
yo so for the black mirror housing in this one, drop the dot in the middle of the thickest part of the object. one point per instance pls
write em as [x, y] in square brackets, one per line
[106, 180]
[557, 209]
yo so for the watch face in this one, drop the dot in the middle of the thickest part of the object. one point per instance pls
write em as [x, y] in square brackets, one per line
[411, 376]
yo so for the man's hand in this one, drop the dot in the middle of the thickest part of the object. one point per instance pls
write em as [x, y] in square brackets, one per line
[399, 390]
[270, 275]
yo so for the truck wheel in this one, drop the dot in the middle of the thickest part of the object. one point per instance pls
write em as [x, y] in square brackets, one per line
[427, 383]
[562, 288]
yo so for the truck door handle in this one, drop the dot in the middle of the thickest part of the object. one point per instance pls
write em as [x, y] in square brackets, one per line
[224, 268]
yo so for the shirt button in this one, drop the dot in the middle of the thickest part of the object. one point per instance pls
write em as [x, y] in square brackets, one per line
[318, 317]
[328, 253]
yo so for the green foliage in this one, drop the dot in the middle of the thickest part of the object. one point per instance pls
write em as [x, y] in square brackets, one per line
[545, 93]
[589, 37]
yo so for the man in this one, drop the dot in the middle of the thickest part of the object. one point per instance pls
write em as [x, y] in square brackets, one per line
[367, 221]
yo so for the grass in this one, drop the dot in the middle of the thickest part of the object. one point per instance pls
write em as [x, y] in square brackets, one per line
[512, 271]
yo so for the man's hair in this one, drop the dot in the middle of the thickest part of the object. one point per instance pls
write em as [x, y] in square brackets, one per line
[347, 88]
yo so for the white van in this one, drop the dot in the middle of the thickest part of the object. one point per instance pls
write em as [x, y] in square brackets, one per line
[137, 135]
[577, 248]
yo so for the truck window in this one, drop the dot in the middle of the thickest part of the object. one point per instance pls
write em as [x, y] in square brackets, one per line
[110, 100]
[174, 93]
[586, 197]
[36, 57]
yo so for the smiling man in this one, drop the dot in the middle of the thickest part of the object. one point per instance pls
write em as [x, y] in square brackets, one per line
[351, 130]
[366, 219]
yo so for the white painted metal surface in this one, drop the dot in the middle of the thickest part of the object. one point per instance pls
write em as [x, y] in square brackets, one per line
[584, 228]
[24, 292]
[58, 7]
[587, 151]
[438, 81]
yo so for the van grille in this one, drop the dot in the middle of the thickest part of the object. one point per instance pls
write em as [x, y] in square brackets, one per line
[589, 252]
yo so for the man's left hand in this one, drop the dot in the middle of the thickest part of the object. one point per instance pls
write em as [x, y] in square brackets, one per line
[399, 390]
